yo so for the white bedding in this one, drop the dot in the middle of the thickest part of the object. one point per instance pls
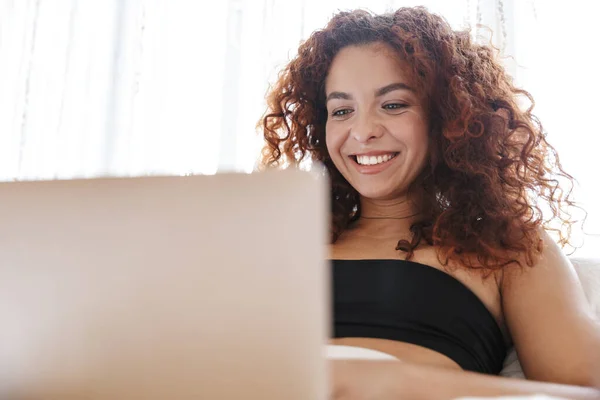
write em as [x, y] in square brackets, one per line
[337, 352]
[534, 397]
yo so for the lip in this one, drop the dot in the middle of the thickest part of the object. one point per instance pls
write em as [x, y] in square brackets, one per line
[373, 169]
[374, 153]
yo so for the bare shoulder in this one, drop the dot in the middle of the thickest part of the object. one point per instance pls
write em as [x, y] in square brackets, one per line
[552, 325]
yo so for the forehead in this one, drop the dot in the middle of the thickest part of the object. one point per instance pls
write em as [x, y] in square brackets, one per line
[368, 67]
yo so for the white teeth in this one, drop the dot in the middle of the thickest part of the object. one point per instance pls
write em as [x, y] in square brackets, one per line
[374, 160]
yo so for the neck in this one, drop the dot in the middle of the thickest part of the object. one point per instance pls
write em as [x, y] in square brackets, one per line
[387, 217]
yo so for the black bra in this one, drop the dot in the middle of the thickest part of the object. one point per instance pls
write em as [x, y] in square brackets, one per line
[415, 303]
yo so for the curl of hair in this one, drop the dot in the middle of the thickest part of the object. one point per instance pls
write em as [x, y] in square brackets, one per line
[491, 171]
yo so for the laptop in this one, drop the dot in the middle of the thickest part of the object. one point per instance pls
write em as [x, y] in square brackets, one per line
[194, 287]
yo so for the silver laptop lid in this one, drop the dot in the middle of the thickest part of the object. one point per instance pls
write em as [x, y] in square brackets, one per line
[204, 287]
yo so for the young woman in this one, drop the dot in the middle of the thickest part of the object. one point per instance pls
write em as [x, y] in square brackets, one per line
[439, 252]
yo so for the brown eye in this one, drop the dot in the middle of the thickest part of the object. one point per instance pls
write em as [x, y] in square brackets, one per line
[341, 113]
[395, 106]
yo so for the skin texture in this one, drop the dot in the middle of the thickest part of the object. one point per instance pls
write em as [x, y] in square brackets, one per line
[539, 306]
[489, 171]
[365, 122]
[380, 95]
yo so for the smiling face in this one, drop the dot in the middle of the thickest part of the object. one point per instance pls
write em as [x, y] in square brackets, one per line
[376, 130]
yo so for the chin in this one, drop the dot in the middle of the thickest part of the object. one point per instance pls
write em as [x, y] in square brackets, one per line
[379, 193]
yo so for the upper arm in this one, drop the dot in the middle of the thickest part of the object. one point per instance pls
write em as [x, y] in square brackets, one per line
[555, 333]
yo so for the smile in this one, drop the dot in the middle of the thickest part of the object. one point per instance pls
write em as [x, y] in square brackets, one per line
[374, 159]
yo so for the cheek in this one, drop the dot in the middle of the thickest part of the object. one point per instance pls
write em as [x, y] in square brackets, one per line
[423, 142]
[414, 132]
[333, 142]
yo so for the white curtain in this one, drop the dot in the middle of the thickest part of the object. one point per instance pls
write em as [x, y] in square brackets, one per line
[136, 87]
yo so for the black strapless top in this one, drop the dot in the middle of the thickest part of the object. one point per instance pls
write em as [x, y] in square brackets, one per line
[415, 303]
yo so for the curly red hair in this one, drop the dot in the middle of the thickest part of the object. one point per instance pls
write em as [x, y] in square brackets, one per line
[490, 171]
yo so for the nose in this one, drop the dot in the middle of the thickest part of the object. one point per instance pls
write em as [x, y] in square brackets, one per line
[366, 128]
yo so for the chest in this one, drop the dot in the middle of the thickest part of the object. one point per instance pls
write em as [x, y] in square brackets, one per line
[485, 288]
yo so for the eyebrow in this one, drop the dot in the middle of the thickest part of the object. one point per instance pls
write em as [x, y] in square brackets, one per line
[378, 93]
[391, 87]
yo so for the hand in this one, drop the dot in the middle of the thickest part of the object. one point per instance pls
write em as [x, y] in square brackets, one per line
[361, 379]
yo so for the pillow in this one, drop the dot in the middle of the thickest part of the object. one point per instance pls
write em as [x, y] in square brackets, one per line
[588, 270]
[532, 397]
